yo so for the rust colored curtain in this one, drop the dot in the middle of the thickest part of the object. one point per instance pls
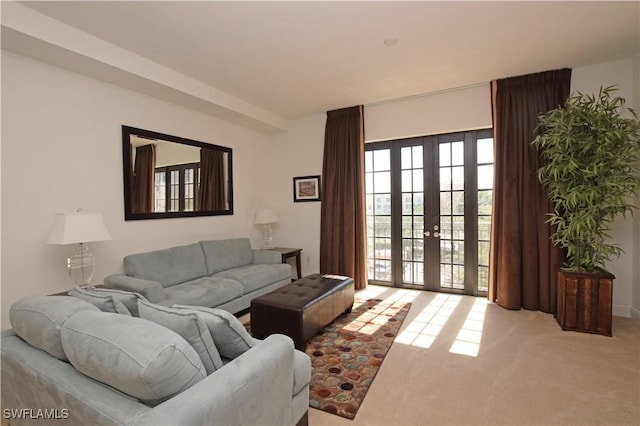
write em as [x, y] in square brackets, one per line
[144, 179]
[211, 193]
[522, 257]
[342, 221]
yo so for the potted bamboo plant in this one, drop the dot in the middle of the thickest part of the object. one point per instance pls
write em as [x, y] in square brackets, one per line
[590, 148]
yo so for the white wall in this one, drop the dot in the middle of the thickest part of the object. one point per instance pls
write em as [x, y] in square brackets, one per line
[443, 112]
[297, 153]
[61, 150]
[589, 79]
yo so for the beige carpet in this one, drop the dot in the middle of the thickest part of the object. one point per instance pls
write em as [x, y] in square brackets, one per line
[461, 361]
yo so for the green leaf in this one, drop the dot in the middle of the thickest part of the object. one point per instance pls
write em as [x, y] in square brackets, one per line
[590, 149]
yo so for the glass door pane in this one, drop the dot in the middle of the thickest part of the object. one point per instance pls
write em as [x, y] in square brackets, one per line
[452, 208]
[485, 199]
[378, 205]
[412, 183]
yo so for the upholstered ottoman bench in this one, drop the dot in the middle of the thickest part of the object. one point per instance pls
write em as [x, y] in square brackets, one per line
[302, 308]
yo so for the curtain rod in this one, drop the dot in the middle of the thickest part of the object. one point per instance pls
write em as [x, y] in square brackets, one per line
[436, 92]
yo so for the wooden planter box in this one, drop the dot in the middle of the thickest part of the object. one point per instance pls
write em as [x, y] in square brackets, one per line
[584, 301]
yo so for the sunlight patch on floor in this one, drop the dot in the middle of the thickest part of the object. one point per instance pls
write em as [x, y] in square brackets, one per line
[370, 321]
[376, 292]
[370, 292]
[470, 335]
[403, 296]
[424, 329]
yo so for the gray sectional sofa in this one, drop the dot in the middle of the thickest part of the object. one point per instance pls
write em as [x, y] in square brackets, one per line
[224, 274]
[92, 361]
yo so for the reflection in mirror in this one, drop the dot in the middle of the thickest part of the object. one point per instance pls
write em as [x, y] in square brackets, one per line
[168, 176]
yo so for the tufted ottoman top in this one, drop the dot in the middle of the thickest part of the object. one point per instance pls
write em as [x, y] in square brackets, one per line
[305, 291]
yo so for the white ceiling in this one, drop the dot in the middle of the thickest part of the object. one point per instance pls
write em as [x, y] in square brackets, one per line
[295, 59]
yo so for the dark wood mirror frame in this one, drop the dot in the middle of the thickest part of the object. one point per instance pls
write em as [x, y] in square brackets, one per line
[127, 156]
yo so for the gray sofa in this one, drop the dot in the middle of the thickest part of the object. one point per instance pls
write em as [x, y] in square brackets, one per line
[68, 362]
[224, 274]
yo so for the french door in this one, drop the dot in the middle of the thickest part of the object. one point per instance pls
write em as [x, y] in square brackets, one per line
[428, 202]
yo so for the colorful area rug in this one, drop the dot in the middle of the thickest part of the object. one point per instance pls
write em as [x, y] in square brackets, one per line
[347, 354]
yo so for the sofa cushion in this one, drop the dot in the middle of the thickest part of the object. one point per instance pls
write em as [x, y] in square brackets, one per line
[207, 291]
[221, 255]
[37, 320]
[169, 266]
[228, 333]
[189, 326]
[105, 303]
[254, 277]
[137, 357]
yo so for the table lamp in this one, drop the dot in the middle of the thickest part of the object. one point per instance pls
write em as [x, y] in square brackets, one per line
[79, 228]
[266, 217]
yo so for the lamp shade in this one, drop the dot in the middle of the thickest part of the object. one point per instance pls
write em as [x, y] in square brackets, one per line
[78, 227]
[265, 216]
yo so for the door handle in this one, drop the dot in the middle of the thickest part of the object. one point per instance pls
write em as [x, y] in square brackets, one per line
[427, 234]
[436, 234]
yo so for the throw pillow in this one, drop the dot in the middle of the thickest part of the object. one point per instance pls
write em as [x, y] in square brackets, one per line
[229, 335]
[37, 320]
[128, 298]
[103, 302]
[187, 325]
[135, 356]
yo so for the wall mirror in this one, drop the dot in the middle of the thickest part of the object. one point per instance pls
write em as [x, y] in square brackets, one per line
[168, 176]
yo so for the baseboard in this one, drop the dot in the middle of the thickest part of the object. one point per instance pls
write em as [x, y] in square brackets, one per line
[621, 311]
[635, 313]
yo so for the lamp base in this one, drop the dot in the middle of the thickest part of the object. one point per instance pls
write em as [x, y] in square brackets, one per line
[266, 236]
[81, 266]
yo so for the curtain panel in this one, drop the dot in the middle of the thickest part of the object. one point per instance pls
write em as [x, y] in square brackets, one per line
[144, 179]
[211, 193]
[342, 221]
[523, 259]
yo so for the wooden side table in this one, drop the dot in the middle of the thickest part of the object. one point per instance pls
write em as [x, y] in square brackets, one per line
[289, 253]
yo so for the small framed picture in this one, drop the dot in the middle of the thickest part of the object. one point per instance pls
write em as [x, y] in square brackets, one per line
[306, 188]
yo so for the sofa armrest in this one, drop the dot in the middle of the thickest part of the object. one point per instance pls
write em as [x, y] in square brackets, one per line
[151, 290]
[253, 389]
[33, 379]
[262, 257]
